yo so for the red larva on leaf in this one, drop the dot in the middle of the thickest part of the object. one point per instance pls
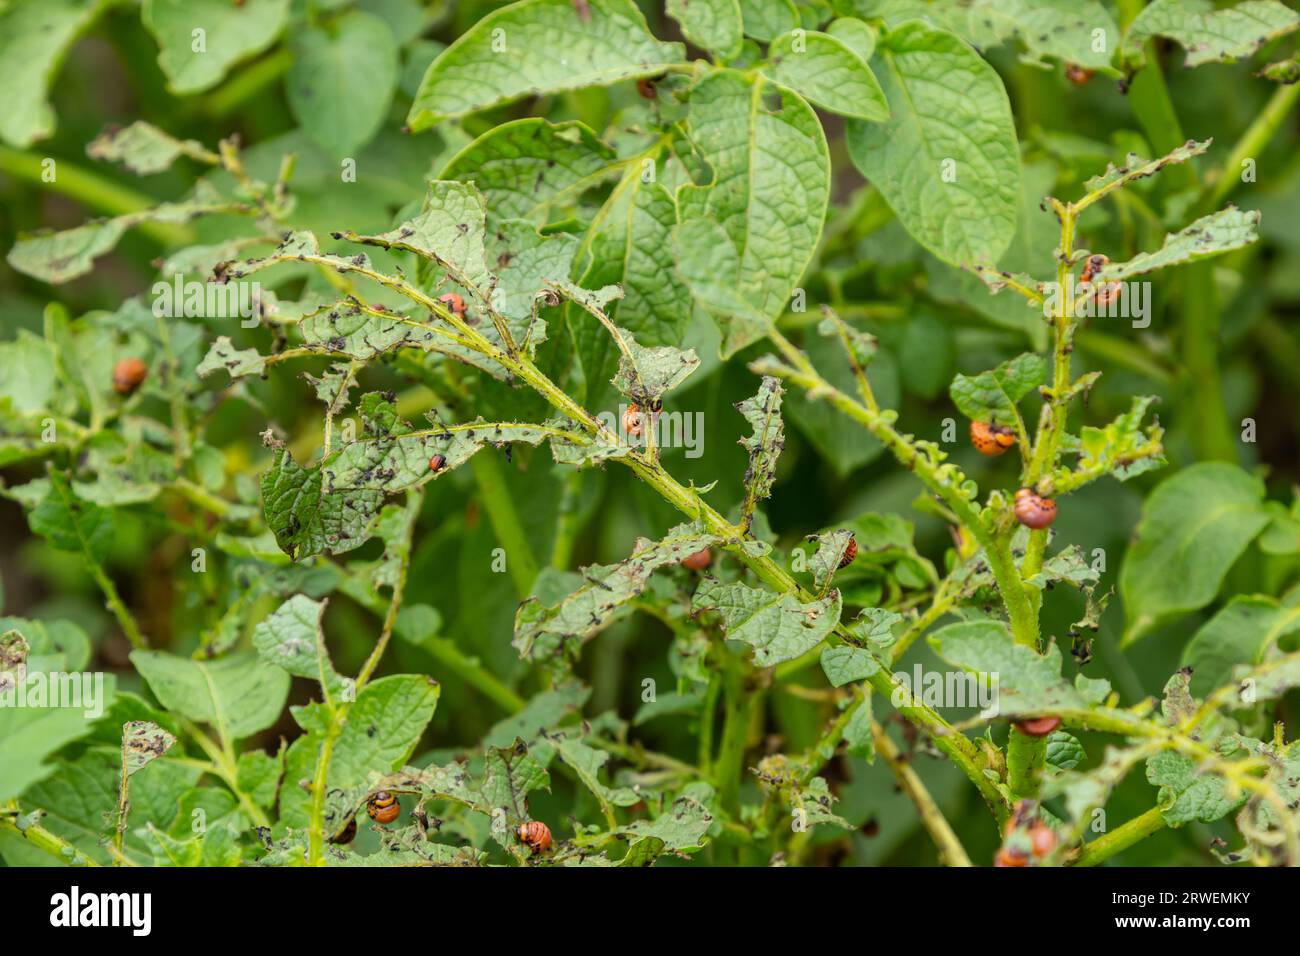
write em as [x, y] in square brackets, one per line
[1037, 726]
[990, 439]
[454, 302]
[1007, 857]
[850, 552]
[1077, 74]
[1042, 837]
[383, 807]
[698, 561]
[646, 87]
[1093, 265]
[128, 374]
[535, 835]
[437, 463]
[632, 421]
[1034, 511]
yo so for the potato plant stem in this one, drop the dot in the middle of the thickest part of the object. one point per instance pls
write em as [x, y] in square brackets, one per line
[1121, 838]
[951, 852]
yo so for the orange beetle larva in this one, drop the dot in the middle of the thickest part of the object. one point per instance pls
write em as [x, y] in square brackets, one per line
[990, 439]
[699, 560]
[128, 374]
[383, 807]
[850, 552]
[1033, 510]
[535, 835]
[1037, 726]
[453, 302]
[632, 421]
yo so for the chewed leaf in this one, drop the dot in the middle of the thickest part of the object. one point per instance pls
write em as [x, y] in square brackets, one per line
[509, 775]
[142, 743]
[308, 518]
[552, 45]
[826, 560]
[1135, 167]
[542, 630]
[292, 638]
[13, 659]
[1208, 236]
[778, 626]
[1068, 566]
[763, 412]
[57, 257]
[992, 396]
[1027, 682]
[449, 231]
[1211, 35]
[1080, 32]
[237, 363]
[1123, 448]
[680, 827]
[645, 375]
[141, 147]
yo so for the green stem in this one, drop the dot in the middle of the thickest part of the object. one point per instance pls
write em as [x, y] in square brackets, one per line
[1121, 838]
[1252, 143]
[500, 506]
[729, 766]
[93, 191]
[43, 839]
[951, 852]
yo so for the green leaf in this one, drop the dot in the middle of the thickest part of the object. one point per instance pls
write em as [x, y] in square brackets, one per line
[1122, 447]
[586, 763]
[712, 25]
[1193, 527]
[231, 32]
[629, 244]
[536, 47]
[828, 73]
[763, 412]
[141, 147]
[1136, 168]
[56, 257]
[1188, 795]
[777, 626]
[771, 182]
[142, 743]
[292, 638]
[765, 20]
[1064, 752]
[1241, 633]
[526, 166]
[509, 775]
[947, 161]
[28, 373]
[542, 630]
[1210, 35]
[856, 34]
[848, 665]
[71, 524]
[308, 519]
[258, 775]
[36, 717]
[383, 727]
[681, 827]
[831, 547]
[238, 695]
[1027, 682]
[1068, 565]
[993, 396]
[450, 232]
[1060, 29]
[238, 363]
[1211, 235]
[645, 375]
[35, 36]
[342, 80]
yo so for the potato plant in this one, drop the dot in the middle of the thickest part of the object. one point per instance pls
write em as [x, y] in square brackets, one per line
[582, 432]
